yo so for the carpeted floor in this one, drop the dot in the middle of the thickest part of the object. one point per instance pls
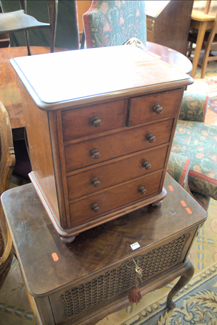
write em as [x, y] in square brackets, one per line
[208, 85]
[195, 304]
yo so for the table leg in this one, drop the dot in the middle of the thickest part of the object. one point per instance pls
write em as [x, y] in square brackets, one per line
[199, 43]
[184, 279]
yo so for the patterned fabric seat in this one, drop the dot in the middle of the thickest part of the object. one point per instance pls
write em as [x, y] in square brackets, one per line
[196, 142]
[111, 23]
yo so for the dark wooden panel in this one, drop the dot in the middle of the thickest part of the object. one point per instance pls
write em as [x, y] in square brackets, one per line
[171, 27]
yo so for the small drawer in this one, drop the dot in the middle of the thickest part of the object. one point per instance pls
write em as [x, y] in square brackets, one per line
[113, 198]
[101, 177]
[92, 120]
[154, 107]
[101, 149]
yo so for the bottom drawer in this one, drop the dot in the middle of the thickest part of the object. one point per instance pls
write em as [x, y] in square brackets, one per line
[114, 198]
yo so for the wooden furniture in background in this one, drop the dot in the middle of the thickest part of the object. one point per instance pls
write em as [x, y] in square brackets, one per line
[205, 6]
[9, 87]
[175, 59]
[4, 38]
[202, 22]
[168, 23]
[82, 7]
[83, 282]
[66, 27]
[16, 21]
[99, 145]
[7, 162]
[210, 45]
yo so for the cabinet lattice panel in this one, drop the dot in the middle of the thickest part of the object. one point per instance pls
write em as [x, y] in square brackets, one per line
[120, 279]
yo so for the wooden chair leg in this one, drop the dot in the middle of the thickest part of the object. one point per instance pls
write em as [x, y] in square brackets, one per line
[208, 48]
[206, 58]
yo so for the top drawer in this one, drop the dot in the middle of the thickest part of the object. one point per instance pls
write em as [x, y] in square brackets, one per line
[94, 119]
[142, 109]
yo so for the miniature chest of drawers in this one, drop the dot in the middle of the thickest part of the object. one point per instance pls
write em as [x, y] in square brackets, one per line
[100, 124]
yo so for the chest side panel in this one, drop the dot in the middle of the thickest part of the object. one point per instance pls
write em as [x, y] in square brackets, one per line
[38, 134]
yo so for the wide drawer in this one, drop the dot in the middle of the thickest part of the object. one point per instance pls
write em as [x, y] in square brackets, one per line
[113, 198]
[92, 120]
[84, 154]
[101, 177]
[154, 107]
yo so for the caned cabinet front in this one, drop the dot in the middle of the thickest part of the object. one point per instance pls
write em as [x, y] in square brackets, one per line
[103, 154]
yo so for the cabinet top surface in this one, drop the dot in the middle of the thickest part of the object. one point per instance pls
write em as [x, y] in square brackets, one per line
[83, 76]
[48, 263]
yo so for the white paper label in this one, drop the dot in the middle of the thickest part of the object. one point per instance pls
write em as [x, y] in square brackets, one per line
[134, 246]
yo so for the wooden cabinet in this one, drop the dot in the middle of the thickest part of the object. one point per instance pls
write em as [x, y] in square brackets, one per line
[168, 23]
[82, 282]
[99, 142]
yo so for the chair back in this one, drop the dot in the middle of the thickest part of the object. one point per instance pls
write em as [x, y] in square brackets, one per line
[111, 23]
[60, 15]
[18, 20]
[7, 162]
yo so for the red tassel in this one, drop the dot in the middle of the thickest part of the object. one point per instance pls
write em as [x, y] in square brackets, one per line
[134, 295]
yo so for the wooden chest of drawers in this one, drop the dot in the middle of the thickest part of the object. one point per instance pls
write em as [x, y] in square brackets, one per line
[100, 123]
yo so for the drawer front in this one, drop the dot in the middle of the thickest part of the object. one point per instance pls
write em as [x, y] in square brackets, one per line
[93, 119]
[113, 198]
[101, 177]
[97, 150]
[154, 107]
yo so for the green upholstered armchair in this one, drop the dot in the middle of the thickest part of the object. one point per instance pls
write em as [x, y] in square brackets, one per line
[193, 159]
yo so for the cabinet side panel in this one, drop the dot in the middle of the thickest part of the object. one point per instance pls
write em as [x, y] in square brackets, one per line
[38, 135]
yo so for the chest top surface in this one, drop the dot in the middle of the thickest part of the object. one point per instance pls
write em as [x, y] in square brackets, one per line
[56, 79]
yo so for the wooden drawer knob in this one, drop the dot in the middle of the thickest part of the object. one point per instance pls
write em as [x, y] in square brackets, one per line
[142, 190]
[146, 164]
[150, 137]
[95, 182]
[95, 154]
[95, 207]
[157, 109]
[96, 121]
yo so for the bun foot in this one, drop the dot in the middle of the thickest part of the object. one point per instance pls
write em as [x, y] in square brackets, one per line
[67, 239]
[157, 204]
